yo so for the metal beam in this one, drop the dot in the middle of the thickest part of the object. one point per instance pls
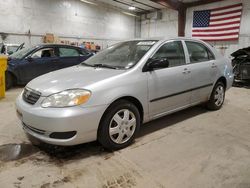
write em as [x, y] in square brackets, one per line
[201, 2]
[144, 4]
[181, 21]
[173, 4]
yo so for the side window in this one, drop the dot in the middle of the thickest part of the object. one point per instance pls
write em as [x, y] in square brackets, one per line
[173, 51]
[45, 52]
[210, 55]
[83, 52]
[198, 52]
[68, 52]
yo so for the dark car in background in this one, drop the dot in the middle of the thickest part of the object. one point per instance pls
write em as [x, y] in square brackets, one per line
[241, 64]
[30, 63]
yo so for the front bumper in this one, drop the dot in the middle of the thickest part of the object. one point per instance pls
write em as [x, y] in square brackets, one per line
[42, 122]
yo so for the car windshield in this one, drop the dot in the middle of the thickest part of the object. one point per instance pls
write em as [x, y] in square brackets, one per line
[123, 55]
[12, 49]
[21, 53]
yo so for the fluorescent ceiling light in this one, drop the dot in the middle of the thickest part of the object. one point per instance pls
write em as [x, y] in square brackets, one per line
[127, 13]
[131, 8]
[89, 2]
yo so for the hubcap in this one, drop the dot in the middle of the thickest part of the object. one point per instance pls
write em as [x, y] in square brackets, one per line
[122, 126]
[219, 95]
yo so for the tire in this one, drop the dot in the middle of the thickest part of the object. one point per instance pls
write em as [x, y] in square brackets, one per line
[124, 128]
[217, 97]
[9, 80]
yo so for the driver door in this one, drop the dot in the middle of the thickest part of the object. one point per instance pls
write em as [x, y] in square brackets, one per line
[39, 62]
[168, 88]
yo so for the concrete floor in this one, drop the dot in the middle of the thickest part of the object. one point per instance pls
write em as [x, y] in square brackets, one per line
[193, 148]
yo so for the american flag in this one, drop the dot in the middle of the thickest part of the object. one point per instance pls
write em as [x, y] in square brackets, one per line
[218, 24]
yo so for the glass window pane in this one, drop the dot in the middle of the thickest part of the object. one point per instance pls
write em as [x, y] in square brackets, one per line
[68, 52]
[197, 52]
[174, 53]
[122, 55]
[45, 52]
[210, 55]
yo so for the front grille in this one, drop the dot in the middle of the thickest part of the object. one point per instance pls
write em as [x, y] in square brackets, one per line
[30, 96]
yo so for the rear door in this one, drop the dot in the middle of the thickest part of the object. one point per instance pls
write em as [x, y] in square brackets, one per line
[168, 88]
[203, 69]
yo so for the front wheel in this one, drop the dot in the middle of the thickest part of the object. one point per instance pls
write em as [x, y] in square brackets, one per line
[119, 125]
[217, 97]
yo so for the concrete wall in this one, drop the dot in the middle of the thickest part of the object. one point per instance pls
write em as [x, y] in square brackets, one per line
[226, 48]
[168, 26]
[70, 19]
[165, 27]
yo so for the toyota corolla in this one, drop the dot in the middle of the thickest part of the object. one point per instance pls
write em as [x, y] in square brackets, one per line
[108, 96]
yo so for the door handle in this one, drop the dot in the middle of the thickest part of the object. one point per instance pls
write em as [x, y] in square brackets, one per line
[186, 71]
[214, 65]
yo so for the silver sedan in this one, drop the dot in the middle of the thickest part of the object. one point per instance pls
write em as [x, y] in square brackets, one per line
[108, 97]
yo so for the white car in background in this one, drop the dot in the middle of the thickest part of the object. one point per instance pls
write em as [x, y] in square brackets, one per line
[8, 49]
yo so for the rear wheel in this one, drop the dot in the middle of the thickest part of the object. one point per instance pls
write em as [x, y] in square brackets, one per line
[217, 97]
[119, 125]
[9, 80]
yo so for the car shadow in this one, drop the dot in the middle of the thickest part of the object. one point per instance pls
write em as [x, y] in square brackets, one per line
[170, 120]
[245, 84]
[82, 151]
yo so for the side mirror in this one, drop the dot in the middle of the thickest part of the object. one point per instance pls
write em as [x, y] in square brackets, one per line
[29, 59]
[10, 52]
[153, 64]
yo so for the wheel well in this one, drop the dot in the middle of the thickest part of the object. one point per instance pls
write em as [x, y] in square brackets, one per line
[223, 80]
[135, 101]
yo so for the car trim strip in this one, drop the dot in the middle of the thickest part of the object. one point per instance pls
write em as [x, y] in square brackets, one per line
[179, 93]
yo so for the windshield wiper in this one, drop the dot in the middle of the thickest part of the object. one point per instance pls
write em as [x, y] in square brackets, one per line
[105, 66]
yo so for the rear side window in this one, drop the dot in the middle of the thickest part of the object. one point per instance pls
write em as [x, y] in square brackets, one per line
[198, 52]
[174, 53]
[83, 52]
[68, 52]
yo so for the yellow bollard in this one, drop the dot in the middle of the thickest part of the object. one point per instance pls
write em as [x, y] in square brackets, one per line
[3, 67]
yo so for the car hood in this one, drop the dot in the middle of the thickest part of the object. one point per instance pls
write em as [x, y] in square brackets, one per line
[13, 61]
[71, 78]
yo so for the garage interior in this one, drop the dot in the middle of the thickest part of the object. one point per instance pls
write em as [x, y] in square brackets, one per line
[190, 148]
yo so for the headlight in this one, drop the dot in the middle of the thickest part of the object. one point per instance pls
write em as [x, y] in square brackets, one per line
[67, 98]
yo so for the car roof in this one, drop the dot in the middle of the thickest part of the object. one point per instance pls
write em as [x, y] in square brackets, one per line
[55, 45]
[167, 38]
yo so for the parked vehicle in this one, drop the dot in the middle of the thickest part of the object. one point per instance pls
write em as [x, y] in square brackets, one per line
[8, 49]
[241, 64]
[30, 63]
[107, 97]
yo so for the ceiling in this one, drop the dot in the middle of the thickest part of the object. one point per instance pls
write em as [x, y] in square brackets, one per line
[141, 6]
